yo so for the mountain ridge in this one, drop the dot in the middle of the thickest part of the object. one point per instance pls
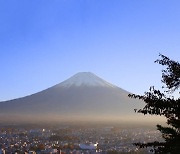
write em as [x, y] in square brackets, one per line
[83, 95]
[86, 79]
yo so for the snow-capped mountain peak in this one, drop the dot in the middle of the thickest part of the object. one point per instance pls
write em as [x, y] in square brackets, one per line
[85, 79]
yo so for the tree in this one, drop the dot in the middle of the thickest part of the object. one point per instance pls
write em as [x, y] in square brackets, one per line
[164, 104]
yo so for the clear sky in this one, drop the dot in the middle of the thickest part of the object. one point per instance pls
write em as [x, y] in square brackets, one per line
[43, 42]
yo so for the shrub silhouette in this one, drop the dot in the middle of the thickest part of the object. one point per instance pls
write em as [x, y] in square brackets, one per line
[164, 104]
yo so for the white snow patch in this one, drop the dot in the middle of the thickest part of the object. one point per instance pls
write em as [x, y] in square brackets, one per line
[85, 79]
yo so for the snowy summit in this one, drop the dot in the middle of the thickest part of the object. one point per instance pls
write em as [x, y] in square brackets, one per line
[85, 79]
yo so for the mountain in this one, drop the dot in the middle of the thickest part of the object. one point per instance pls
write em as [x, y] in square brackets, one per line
[84, 96]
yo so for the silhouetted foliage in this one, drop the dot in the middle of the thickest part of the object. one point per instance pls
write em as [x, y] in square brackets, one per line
[164, 104]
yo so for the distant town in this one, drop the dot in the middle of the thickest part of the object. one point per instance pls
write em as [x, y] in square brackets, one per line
[65, 139]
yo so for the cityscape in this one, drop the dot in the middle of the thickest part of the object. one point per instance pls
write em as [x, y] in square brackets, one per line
[75, 139]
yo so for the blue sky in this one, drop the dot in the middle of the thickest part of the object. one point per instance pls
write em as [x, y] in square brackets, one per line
[43, 42]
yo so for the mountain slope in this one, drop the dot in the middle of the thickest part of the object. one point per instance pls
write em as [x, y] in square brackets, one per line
[80, 97]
